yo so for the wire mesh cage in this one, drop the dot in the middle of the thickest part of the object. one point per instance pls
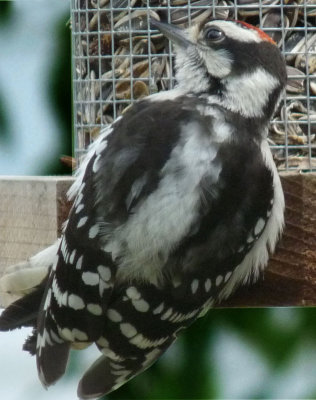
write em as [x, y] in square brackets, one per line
[118, 59]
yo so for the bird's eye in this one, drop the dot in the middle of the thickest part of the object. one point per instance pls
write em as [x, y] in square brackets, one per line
[214, 34]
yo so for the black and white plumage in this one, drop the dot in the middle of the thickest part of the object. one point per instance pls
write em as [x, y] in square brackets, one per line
[177, 203]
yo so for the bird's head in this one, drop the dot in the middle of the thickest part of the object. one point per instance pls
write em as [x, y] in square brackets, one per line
[234, 62]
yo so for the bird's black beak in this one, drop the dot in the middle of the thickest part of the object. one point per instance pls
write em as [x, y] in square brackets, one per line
[173, 33]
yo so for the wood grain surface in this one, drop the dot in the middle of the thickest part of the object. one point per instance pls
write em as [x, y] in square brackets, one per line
[290, 278]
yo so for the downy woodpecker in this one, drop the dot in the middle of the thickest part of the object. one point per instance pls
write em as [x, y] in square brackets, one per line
[177, 203]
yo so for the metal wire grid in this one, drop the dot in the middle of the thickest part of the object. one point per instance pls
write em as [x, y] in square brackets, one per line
[117, 59]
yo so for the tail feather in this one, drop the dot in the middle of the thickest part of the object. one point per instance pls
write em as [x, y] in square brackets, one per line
[52, 362]
[30, 343]
[22, 312]
[19, 283]
[109, 372]
[21, 279]
[98, 380]
[22, 287]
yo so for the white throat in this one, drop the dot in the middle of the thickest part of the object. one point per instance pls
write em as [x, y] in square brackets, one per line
[248, 94]
[191, 76]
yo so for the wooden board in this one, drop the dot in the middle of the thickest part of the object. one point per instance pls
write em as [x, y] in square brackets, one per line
[32, 210]
[290, 278]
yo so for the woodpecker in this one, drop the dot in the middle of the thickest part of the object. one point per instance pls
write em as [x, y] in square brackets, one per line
[177, 203]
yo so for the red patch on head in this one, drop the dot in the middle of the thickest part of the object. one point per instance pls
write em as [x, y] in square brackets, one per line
[263, 35]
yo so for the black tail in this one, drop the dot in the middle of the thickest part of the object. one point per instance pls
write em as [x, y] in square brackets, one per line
[23, 312]
[30, 343]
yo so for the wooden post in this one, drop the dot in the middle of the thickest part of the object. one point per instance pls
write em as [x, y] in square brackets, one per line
[32, 210]
[290, 279]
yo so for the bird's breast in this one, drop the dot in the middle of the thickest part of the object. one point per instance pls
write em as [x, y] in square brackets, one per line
[158, 223]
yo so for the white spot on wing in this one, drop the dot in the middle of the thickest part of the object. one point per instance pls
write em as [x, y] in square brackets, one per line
[103, 342]
[93, 231]
[80, 335]
[95, 166]
[79, 208]
[66, 334]
[105, 272]
[82, 222]
[114, 315]
[158, 309]
[72, 256]
[128, 330]
[64, 298]
[133, 293]
[75, 302]
[94, 309]
[208, 285]
[259, 226]
[140, 305]
[166, 314]
[227, 276]
[79, 262]
[194, 285]
[218, 280]
[90, 278]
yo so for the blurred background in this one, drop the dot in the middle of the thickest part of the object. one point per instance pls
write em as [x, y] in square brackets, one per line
[35, 86]
[229, 354]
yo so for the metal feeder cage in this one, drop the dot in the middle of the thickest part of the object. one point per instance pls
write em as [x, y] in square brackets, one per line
[118, 59]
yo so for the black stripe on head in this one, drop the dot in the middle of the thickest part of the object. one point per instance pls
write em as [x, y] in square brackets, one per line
[249, 56]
